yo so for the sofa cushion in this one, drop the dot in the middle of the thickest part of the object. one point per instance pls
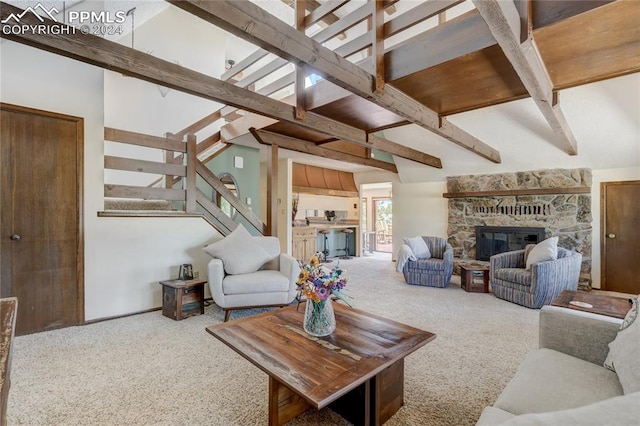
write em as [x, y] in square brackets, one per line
[514, 275]
[620, 410]
[543, 251]
[418, 247]
[269, 282]
[239, 252]
[548, 380]
[623, 357]
[427, 264]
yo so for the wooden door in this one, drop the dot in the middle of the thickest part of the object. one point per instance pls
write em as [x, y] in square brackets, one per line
[620, 236]
[41, 217]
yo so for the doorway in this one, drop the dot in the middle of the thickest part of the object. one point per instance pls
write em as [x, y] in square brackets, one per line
[619, 236]
[42, 251]
[383, 218]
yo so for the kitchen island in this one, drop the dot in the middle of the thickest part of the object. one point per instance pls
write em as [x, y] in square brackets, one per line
[303, 235]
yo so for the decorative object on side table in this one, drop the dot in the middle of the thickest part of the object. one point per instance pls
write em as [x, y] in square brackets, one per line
[318, 283]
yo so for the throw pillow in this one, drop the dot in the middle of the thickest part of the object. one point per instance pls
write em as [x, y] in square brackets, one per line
[543, 251]
[238, 252]
[623, 351]
[418, 246]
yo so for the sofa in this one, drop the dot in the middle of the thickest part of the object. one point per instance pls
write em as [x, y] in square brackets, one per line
[249, 272]
[434, 269]
[540, 284]
[564, 382]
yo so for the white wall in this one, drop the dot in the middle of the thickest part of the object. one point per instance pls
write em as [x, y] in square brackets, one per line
[599, 176]
[418, 209]
[138, 106]
[124, 258]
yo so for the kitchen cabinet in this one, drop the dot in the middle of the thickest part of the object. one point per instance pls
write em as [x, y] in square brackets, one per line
[304, 242]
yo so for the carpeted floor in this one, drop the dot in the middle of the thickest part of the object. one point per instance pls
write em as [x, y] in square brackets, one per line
[148, 369]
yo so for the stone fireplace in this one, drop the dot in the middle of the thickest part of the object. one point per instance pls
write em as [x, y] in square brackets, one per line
[558, 200]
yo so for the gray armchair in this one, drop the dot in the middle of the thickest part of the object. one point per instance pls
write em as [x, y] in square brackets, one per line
[433, 272]
[274, 284]
[538, 286]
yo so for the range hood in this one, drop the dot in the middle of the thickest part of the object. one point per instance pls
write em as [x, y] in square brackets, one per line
[321, 181]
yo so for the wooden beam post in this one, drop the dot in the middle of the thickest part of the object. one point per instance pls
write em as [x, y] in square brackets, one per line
[306, 147]
[273, 35]
[190, 187]
[299, 86]
[377, 51]
[503, 20]
[272, 190]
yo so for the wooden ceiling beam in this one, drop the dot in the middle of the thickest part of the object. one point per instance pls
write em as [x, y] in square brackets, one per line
[306, 147]
[326, 21]
[503, 20]
[122, 59]
[257, 26]
[322, 11]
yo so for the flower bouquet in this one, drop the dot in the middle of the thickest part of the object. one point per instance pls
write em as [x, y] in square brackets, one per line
[317, 283]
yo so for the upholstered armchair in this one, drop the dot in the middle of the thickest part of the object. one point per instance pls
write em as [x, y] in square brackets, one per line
[537, 286]
[236, 282]
[434, 271]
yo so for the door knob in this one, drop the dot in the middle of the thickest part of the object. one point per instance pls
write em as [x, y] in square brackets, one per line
[15, 237]
[611, 236]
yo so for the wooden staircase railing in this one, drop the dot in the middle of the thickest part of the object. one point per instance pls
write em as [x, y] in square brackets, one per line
[174, 170]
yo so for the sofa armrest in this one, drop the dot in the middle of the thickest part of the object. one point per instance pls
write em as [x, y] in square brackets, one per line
[215, 274]
[557, 275]
[290, 268]
[576, 333]
[447, 256]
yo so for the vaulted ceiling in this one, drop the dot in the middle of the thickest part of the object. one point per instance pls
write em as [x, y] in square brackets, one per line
[393, 63]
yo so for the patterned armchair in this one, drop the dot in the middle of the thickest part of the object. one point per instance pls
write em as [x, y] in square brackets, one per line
[433, 272]
[538, 286]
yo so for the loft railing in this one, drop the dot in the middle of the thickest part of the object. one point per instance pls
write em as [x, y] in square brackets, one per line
[178, 172]
[259, 77]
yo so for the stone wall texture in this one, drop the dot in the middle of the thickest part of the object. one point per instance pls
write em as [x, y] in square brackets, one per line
[567, 216]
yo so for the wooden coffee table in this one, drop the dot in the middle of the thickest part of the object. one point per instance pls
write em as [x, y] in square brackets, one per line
[601, 304]
[358, 371]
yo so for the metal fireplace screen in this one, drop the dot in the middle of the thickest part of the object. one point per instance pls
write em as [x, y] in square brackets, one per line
[492, 240]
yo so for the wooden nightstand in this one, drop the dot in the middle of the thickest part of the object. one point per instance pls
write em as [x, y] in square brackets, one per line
[182, 299]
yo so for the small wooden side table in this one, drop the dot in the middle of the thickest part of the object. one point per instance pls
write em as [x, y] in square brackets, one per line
[467, 273]
[182, 299]
[600, 304]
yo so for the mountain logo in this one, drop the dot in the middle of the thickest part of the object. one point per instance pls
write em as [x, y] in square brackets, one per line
[48, 12]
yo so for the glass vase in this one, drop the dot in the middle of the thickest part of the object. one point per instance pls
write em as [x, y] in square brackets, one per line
[319, 319]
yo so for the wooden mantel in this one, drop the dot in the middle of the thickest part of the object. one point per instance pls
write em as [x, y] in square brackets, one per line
[515, 192]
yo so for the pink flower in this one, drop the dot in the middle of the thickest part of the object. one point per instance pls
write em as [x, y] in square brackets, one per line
[322, 292]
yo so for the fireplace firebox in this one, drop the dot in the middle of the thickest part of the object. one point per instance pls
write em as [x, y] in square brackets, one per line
[492, 240]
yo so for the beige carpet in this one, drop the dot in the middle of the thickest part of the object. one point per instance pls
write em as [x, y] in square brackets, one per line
[150, 370]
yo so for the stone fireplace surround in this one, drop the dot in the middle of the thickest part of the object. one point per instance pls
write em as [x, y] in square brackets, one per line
[525, 199]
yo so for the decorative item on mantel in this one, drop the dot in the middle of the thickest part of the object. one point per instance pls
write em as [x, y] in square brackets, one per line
[318, 283]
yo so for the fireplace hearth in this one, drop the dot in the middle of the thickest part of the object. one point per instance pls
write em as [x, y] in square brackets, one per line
[492, 240]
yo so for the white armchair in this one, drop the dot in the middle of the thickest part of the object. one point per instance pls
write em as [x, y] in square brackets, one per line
[274, 284]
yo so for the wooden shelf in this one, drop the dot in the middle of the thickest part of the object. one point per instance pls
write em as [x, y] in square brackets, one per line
[514, 192]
